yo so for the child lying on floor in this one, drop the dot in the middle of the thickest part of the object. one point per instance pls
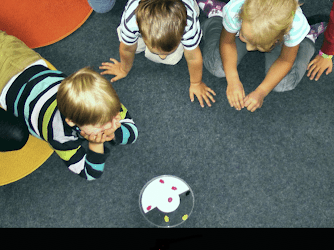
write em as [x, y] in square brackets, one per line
[63, 111]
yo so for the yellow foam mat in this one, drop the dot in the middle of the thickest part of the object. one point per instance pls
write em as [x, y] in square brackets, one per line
[15, 165]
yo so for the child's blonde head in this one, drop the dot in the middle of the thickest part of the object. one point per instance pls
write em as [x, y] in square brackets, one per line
[87, 98]
[270, 20]
[161, 23]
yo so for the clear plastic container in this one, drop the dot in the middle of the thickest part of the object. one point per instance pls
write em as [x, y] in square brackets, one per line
[166, 201]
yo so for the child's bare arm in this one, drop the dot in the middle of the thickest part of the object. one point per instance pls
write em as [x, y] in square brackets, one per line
[276, 73]
[228, 51]
[197, 87]
[120, 69]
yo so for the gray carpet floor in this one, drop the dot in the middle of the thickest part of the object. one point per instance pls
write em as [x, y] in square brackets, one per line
[270, 168]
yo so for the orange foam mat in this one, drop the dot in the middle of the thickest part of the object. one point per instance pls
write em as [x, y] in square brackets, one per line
[41, 23]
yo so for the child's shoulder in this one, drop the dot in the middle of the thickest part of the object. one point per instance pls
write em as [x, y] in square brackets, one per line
[300, 28]
[299, 16]
[231, 11]
[131, 5]
[234, 5]
[299, 20]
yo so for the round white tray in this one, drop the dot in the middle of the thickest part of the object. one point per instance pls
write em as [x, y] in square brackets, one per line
[166, 201]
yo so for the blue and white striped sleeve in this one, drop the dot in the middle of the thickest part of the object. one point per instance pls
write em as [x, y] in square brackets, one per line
[129, 31]
[193, 34]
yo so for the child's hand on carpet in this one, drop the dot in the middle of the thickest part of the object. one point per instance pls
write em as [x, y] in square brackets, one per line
[235, 94]
[317, 66]
[113, 68]
[254, 100]
[202, 92]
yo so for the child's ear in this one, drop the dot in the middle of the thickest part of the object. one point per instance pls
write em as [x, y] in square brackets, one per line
[69, 122]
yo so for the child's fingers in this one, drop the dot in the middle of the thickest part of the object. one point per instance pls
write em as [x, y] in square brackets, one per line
[211, 91]
[315, 73]
[200, 99]
[229, 101]
[247, 101]
[107, 64]
[234, 103]
[238, 105]
[191, 95]
[211, 97]
[253, 109]
[250, 105]
[116, 78]
[110, 137]
[92, 137]
[328, 71]
[319, 74]
[312, 71]
[239, 102]
[310, 64]
[206, 99]
[105, 73]
[114, 60]
[108, 70]
[99, 137]
[104, 138]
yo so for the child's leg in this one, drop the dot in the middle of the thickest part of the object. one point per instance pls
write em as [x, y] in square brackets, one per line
[211, 7]
[212, 61]
[14, 133]
[15, 57]
[291, 80]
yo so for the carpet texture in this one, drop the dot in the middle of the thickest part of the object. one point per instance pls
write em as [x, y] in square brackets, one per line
[40, 23]
[270, 168]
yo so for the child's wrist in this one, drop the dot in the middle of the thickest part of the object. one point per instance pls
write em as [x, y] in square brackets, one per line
[96, 147]
[324, 55]
[262, 91]
[195, 83]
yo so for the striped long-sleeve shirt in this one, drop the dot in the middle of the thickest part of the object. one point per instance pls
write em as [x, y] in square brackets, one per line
[130, 31]
[32, 97]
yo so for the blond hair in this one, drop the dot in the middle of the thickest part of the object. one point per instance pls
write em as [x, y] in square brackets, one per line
[87, 98]
[270, 20]
[161, 23]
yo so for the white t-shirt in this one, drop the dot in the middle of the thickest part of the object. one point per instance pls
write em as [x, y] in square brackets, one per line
[232, 23]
